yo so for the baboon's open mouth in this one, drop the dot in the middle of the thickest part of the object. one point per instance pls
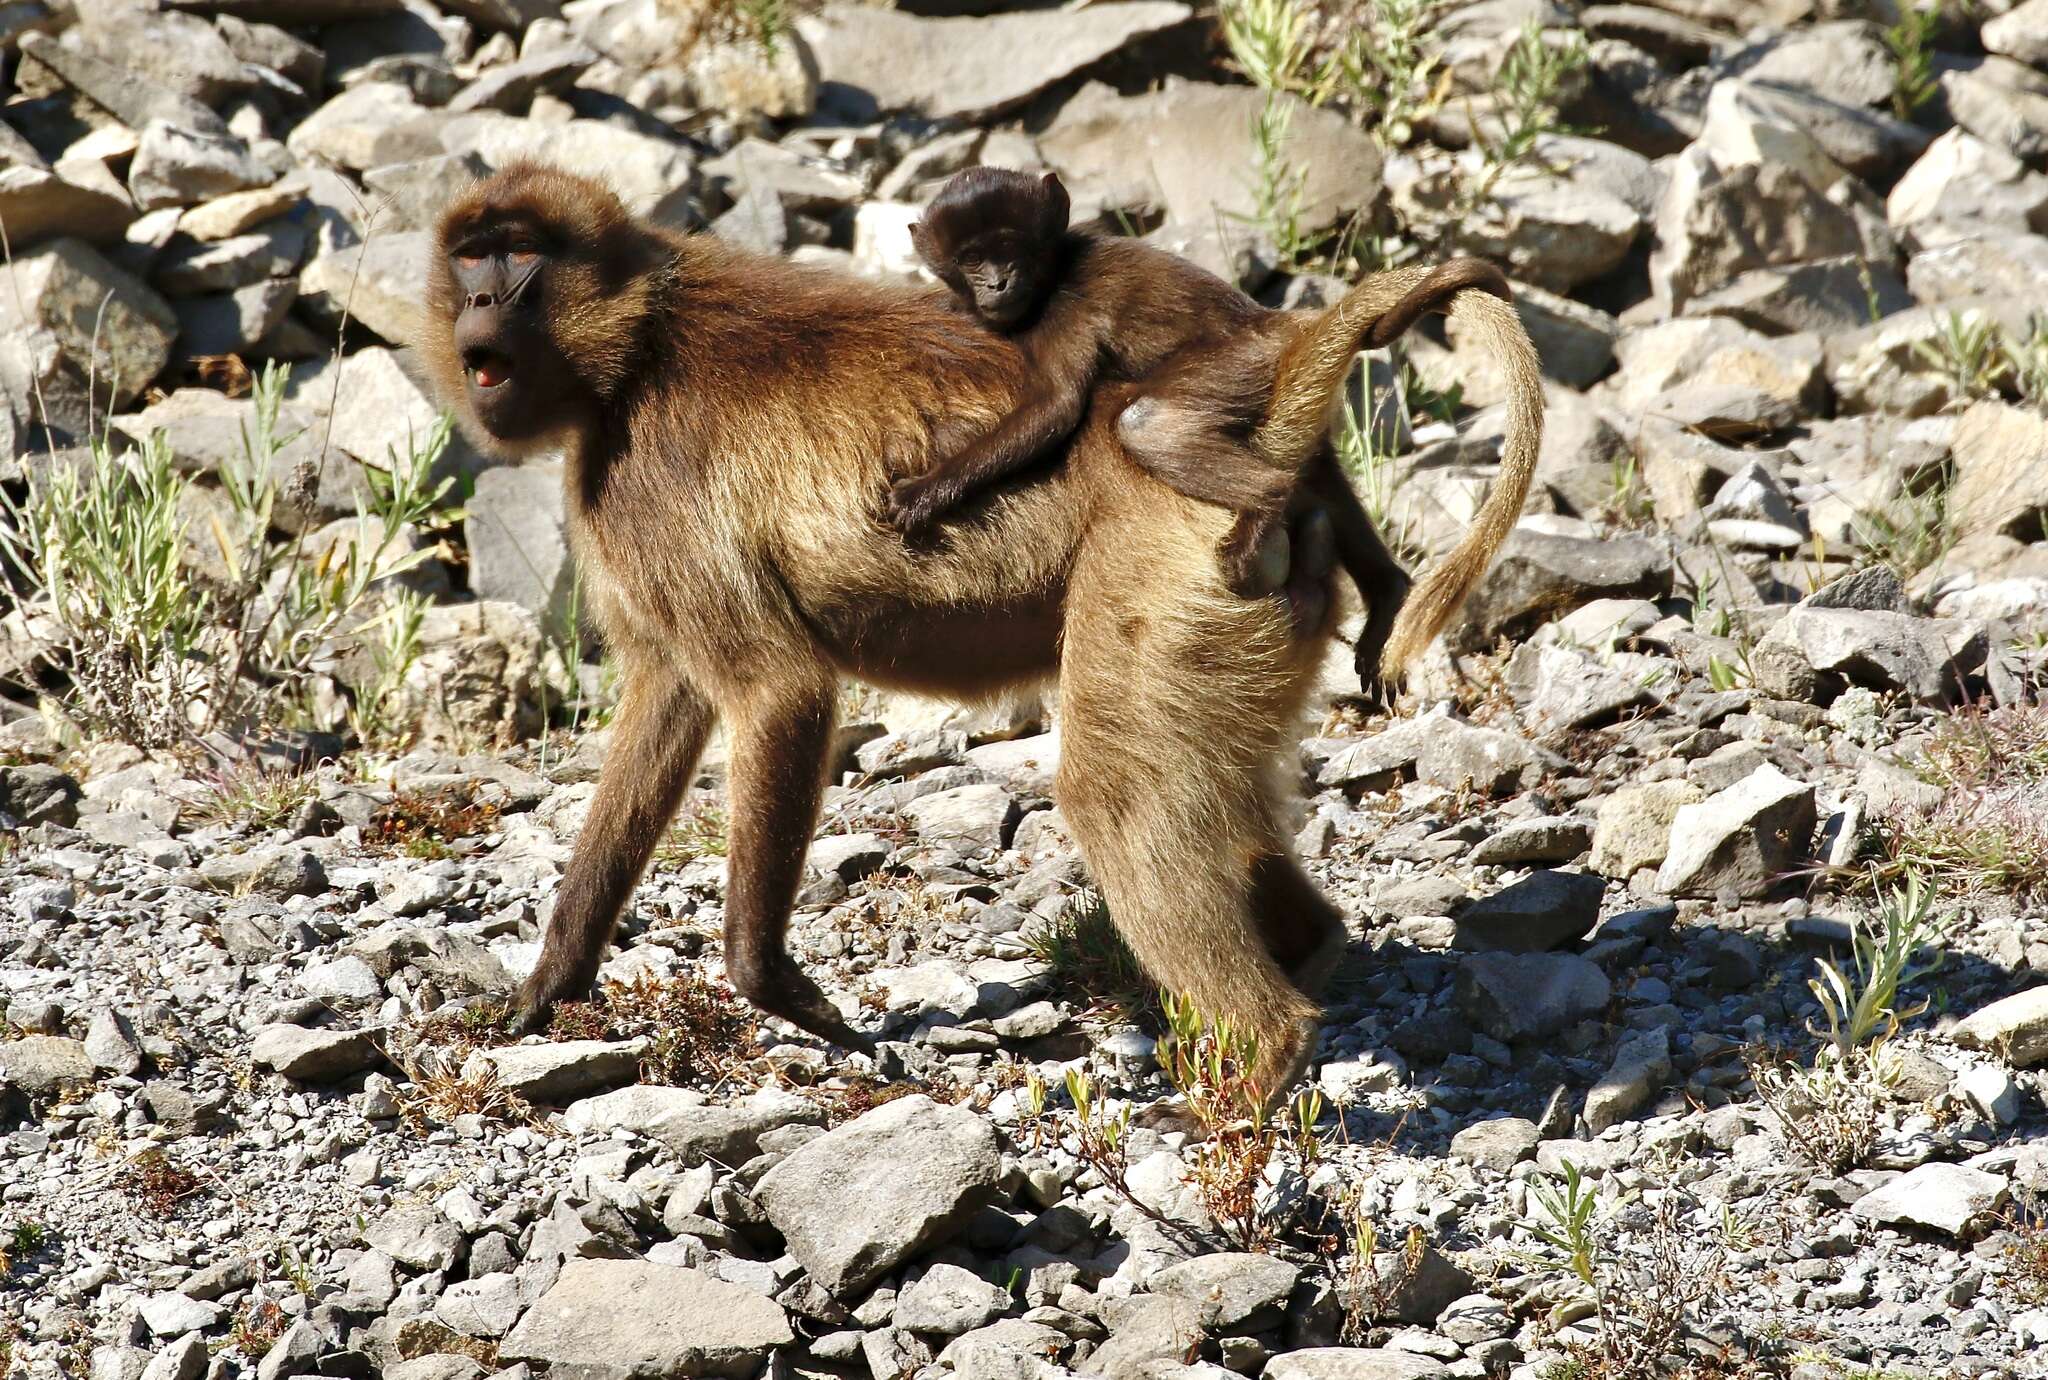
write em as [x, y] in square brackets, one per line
[489, 370]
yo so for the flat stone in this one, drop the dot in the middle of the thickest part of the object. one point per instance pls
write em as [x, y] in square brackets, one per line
[1238, 1291]
[1499, 1144]
[2016, 1026]
[947, 1301]
[1529, 996]
[693, 1128]
[416, 1236]
[1640, 1069]
[313, 1056]
[173, 1315]
[970, 67]
[860, 1200]
[1547, 839]
[631, 1320]
[1542, 911]
[564, 1070]
[1633, 829]
[1947, 1198]
[1353, 1363]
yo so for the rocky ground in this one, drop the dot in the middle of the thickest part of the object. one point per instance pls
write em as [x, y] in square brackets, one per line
[1758, 669]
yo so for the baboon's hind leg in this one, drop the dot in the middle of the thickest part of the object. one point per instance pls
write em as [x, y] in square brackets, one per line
[1177, 700]
[1303, 930]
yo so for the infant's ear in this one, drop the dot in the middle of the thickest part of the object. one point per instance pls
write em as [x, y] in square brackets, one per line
[1057, 204]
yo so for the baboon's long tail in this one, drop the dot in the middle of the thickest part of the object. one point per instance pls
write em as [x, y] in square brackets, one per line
[1374, 314]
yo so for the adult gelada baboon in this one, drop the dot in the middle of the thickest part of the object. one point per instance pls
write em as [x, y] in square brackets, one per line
[724, 419]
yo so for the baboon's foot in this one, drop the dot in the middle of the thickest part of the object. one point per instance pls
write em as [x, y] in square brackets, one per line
[780, 988]
[547, 985]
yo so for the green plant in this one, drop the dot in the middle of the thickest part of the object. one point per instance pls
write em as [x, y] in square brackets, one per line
[1532, 80]
[1911, 533]
[1209, 1064]
[1277, 185]
[250, 793]
[100, 544]
[700, 833]
[1968, 352]
[1911, 41]
[1643, 1296]
[393, 654]
[1859, 1004]
[1087, 962]
[1377, 478]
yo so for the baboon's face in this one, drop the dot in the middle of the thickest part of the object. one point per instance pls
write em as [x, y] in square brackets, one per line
[1003, 272]
[511, 367]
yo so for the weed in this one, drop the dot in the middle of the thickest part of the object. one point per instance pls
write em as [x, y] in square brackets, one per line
[421, 824]
[444, 1088]
[2026, 357]
[1643, 1298]
[1909, 534]
[160, 1182]
[1532, 80]
[1911, 41]
[253, 794]
[696, 1030]
[256, 1331]
[1968, 353]
[701, 833]
[21, 1241]
[1209, 1065]
[2026, 1258]
[861, 1094]
[1993, 840]
[153, 657]
[1088, 962]
[1828, 1111]
[393, 654]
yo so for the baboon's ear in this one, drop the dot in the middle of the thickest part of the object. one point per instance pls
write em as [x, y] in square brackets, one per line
[1053, 217]
[921, 240]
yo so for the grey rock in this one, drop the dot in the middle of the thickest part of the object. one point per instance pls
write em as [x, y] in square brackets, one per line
[1237, 1291]
[631, 1320]
[416, 1236]
[1948, 1198]
[1499, 1144]
[130, 97]
[946, 1300]
[1640, 1069]
[378, 282]
[1542, 911]
[1924, 657]
[1633, 830]
[44, 1064]
[75, 316]
[861, 1199]
[174, 1315]
[968, 818]
[313, 1056]
[1538, 576]
[1455, 755]
[177, 166]
[2016, 1026]
[1873, 589]
[1545, 839]
[110, 1041]
[1964, 182]
[2021, 33]
[1529, 996]
[518, 541]
[34, 794]
[486, 1306]
[563, 1071]
[236, 322]
[1143, 1331]
[1997, 489]
[1353, 1363]
[410, 195]
[347, 979]
[1560, 689]
[694, 1129]
[970, 67]
[271, 251]
[1415, 1287]
[1746, 837]
[1179, 151]
[77, 198]
[512, 87]
[655, 177]
[272, 871]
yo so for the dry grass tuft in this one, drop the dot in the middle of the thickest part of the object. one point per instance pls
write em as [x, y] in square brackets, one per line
[160, 1183]
[1089, 964]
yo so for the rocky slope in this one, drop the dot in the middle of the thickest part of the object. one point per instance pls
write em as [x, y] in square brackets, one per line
[1763, 653]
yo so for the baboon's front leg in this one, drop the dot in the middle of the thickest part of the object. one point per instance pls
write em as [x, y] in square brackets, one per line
[779, 742]
[656, 738]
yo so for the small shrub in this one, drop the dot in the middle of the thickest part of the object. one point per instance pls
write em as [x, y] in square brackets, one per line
[2026, 1259]
[421, 824]
[701, 833]
[444, 1087]
[159, 1182]
[1969, 355]
[1911, 42]
[255, 1332]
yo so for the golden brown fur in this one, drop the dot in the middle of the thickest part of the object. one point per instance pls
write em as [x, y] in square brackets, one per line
[724, 418]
